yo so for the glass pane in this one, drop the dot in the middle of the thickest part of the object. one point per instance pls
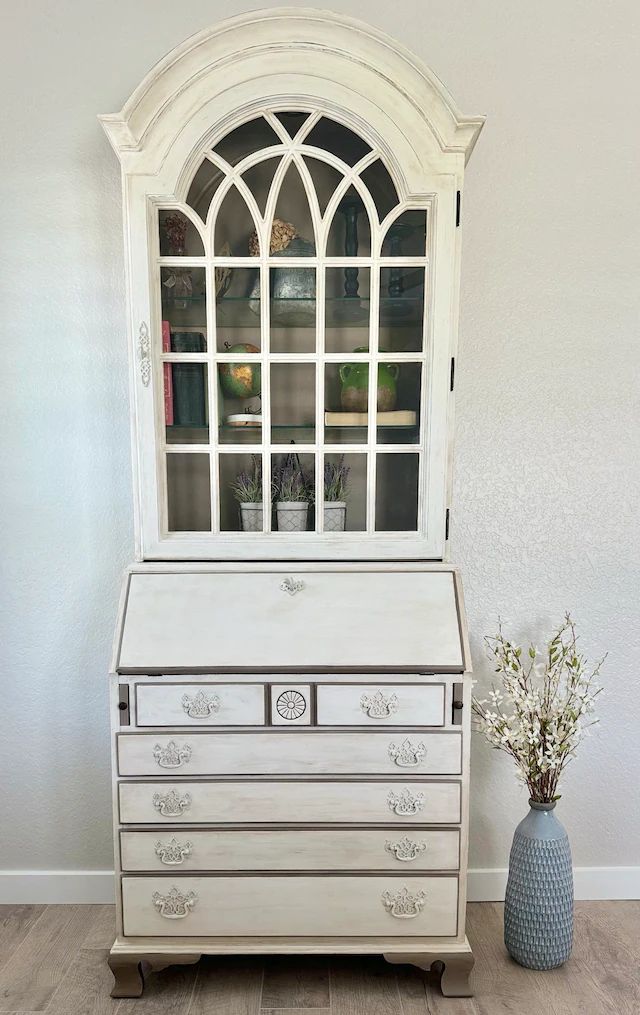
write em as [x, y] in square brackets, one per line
[186, 409]
[346, 308]
[178, 235]
[381, 187]
[397, 492]
[239, 405]
[203, 187]
[407, 235]
[293, 403]
[237, 307]
[346, 391]
[293, 492]
[235, 233]
[292, 122]
[399, 387]
[345, 492]
[326, 180]
[350, 231]
[247, 138]
[240, 493]
[188, 493]
[339, 140]
[259, 179]
[184, 307]
[292, 209]
[401, 309]
[293, 309]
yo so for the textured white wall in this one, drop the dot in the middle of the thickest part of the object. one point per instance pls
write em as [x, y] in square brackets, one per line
[547, 480]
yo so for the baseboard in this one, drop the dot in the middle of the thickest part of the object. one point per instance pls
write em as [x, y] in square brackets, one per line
[484, 885]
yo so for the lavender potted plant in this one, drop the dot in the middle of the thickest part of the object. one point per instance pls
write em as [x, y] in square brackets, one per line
[291, 493]
[247, 489]
[336, 490]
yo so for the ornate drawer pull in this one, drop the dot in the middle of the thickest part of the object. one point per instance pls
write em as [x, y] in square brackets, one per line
[404, 850]
[201, 705]
[292, 585]
[173, 853]
[403, 904]
[406, 802]
[172, 756]
[144, 353]
[171, 804]
[407, 756]
[379, 706]
[174, 905]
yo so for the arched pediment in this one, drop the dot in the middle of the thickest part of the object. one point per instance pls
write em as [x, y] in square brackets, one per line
[324, 60]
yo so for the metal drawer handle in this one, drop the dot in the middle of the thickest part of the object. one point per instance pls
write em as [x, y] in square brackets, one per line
[292, 585]
[144, 353]
[171, 804]
[201, 705]
[173, 853]
[406, 802]
[404, 850]
[174, 905]
[172, 756]
[379, 706]
[403, 904]
[407, 755]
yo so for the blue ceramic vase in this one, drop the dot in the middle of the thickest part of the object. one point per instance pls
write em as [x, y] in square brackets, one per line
[538, 909]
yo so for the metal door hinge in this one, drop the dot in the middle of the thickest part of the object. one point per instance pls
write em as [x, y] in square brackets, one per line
[123, 705]
[457, 704]
[446, 525]
[458, 203]
[452, 373]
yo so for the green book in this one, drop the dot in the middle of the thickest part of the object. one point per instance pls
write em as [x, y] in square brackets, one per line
[189, 381]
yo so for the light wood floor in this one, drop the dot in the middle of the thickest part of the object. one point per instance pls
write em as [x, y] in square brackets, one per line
[53, 959]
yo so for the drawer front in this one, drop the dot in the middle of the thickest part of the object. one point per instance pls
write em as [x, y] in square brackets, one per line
[184, 906]
[200, 704]
[411, 802]
[380, 704]
[342, 849]
[271, 753]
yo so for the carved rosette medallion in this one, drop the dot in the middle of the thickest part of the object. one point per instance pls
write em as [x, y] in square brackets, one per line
[171, 804]
[173, 853]
[407, 755]
[405, 803]
[200, 705]
[403, 904]
[172, 756]
[379, 706]
[175, 905]
[405, 849]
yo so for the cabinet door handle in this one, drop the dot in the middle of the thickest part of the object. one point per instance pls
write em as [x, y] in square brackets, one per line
[201, 705]
[407, 755]
[144, 353]
[405, 803]
[403, 904]
[172, 756]
[379, 706]
[171, 804]
[173, 853]
[175, 905]
[404, 849]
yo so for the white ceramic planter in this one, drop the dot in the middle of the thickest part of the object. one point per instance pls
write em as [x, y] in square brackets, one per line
[251, 515]
[292, 515]
[335, 515]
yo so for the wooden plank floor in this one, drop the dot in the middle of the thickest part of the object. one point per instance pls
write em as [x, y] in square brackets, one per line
[53, 959]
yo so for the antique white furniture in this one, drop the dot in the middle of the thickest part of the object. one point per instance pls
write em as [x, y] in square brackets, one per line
[290, 700]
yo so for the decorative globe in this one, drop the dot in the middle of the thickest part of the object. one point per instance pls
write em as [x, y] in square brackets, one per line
[241, 380]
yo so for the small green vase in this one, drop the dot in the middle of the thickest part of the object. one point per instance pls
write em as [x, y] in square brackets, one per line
[354, 395]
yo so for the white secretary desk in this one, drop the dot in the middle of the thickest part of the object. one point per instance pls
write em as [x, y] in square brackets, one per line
[288, 683]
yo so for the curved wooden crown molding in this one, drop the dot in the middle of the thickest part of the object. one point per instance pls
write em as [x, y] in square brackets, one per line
[347, 49]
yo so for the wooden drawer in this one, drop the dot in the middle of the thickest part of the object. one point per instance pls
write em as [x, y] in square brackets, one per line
[212, 906]
[283, 850]
[271, 753]
[203, 704]
[380, 704]
[410, 802]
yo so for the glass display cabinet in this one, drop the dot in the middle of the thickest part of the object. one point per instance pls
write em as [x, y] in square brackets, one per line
[290, 674]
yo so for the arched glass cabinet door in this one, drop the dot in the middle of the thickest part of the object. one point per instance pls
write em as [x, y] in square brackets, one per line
[297, 346]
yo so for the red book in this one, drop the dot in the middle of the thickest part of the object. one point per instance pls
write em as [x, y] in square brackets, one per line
[168, 379]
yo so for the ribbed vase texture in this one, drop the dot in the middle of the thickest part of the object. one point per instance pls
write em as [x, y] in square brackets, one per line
[538, 910]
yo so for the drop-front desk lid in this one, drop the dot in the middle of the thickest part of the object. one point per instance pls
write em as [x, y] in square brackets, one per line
[214, 617]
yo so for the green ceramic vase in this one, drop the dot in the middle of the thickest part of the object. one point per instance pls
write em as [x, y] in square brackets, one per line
[355, 386]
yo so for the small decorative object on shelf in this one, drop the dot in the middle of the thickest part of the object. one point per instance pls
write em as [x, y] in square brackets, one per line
[241, 380]
[351, 206]
[336, 491]
[291, 492]
[179, 281]
[354, 396]
[247, 490]
[223, 274]
[539, 717]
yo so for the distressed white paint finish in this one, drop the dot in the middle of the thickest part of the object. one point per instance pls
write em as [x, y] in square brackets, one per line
[272, 753]
[395, 619]
[336, 802]
[321, 849]
[380, 705]
[163, 704]
[290, 905]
